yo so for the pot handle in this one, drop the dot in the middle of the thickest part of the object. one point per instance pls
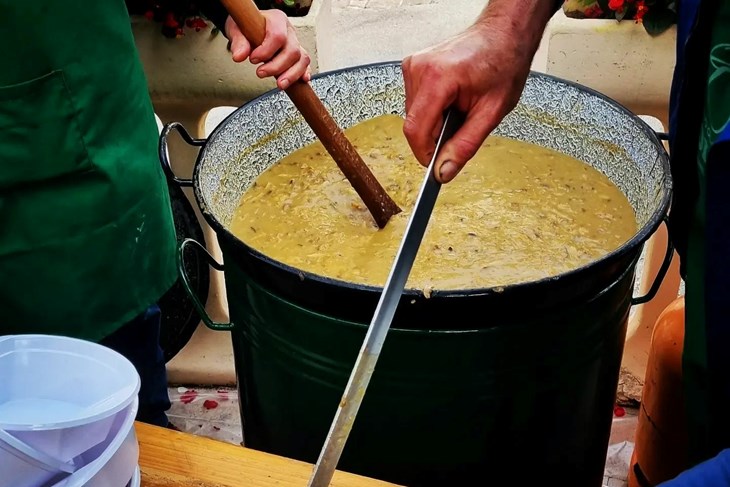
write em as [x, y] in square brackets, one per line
[188, 288]
[165, 155]
[660, 275]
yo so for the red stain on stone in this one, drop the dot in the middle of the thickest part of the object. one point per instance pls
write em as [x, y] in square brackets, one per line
[210, 404]
[188, 396]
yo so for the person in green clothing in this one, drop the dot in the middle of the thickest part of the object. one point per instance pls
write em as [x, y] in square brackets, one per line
[706, 364]
[482, 72]
[87, 240]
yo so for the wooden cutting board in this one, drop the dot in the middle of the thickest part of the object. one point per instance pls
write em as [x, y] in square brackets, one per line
[173, 459]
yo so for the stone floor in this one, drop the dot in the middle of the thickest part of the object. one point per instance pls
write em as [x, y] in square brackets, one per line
[214, 413]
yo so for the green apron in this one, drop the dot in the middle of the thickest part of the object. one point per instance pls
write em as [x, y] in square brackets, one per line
[715, 119]
[87, 240]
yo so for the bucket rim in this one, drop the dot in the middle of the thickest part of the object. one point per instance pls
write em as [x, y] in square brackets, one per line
[117, 402]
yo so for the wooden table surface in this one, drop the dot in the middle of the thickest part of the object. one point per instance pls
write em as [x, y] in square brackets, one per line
[172, 459]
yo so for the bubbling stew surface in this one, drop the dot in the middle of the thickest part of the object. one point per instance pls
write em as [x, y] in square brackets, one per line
[518, 212]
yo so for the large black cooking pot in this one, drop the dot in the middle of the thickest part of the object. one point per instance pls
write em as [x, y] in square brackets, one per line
[553, 113]
[468, 380]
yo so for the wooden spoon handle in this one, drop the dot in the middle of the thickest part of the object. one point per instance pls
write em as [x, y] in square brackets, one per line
[253, 25]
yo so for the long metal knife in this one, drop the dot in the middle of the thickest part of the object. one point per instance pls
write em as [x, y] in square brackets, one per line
[379, 326]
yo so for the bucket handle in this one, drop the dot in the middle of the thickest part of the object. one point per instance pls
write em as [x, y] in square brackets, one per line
[660, 275]
[16, 447]
[165, 155]
[188, 288]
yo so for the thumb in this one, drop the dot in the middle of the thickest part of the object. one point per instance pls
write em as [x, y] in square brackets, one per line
[458, 150]
[240, 47]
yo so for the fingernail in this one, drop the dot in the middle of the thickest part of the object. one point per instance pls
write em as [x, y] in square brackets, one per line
[284, 84]
[447, 171]
[255, 60]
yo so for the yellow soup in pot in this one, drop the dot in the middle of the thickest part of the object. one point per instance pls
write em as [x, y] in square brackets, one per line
[517, 212]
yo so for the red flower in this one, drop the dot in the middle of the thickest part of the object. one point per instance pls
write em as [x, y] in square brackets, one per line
[641, 9]
[616, 5]
[199, 24]
[171, 21]
[593, 12]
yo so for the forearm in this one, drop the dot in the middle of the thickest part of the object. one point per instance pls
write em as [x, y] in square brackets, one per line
[522, 20]
[481, 72]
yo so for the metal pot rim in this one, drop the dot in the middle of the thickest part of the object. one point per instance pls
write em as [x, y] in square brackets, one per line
[639, 238]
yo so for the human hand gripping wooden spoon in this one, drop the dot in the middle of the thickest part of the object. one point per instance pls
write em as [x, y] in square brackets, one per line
[252, 24]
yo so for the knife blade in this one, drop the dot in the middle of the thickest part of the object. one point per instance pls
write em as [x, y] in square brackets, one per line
[364, 366]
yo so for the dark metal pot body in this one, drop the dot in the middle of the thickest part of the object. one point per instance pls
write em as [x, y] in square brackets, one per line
[468, 379]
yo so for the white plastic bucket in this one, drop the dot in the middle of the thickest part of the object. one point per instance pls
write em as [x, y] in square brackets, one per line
[111, 463]
[137, 479]
[15, 449]
[60, 395]
[19, 469]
